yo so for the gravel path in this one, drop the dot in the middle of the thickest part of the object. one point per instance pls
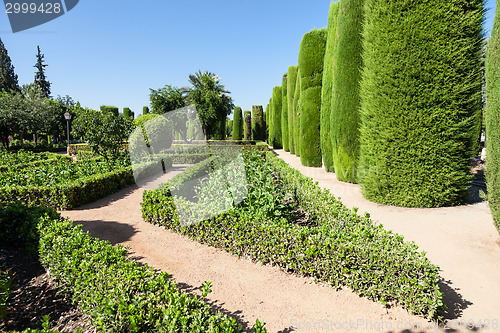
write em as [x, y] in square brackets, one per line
[462, 240]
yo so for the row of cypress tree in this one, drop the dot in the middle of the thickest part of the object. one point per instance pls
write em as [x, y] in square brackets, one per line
[388, 96]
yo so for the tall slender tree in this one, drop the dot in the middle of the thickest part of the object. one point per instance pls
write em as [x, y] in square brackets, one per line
[8, 79]
[291, 82]
[284, 113]
[40, 80]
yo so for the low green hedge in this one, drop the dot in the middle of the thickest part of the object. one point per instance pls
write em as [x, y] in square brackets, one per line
[188, 158]
[341, 248]
[119, 294]
[57, 158]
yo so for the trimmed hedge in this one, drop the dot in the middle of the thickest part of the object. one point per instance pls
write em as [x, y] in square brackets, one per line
[284, 114]
[493, 119]
[145, 110]
[258, 123]
[327, 89]
[276, 142]
[346, 99]
[269, 121]
[296, 115]
[112, 109]
[340, 247]
[237, 124]
[291, 82]
[311, 57]
[127, 113]
[420, 101]
[247, 125]
[119, 294]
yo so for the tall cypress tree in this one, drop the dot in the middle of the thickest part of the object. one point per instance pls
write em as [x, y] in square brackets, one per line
[237, 124]
[296, 115]
[327, 89]
[284, 114]
[277, 142]
[291, 82]
[8, 79]
[420, 100]
[347, 67]
[40, 79]
[311, 57]
[493, 119]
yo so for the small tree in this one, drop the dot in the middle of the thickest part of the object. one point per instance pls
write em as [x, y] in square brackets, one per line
[104, 131]
[40, 79]
[166, 99]
[237, 123]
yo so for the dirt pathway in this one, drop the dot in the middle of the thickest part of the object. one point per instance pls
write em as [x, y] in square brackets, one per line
[248, 291]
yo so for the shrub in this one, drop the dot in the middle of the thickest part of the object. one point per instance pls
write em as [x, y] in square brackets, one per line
[493, 120]
[338, 246]
[258, 124]
[277, 142]
[145, 110]
[247, 125]
[119, 294]
[311, 56]
[296, 115]
[127, 113]
[113, 109]
[327, 89]
[269, 121]
[420, 101]
[284, 114]
[346, 76]
[291, 82]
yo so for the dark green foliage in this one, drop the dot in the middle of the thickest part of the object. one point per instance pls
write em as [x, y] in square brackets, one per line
[247, 125]
[347, 67]
[291, 83]
[112, 109]
[493, 119]
[166, 99]
[276, 142]
[258, 124]
[296, 115]
[145, 110]
[339, 247]
[284, 114]
[127, 113]
[327, 89]
[269, 121]
[8, 79]
[40, 79]
[229, 128]
[119, 294]
[310, 146]
[311, 57]
[420, 100]
[237, 124]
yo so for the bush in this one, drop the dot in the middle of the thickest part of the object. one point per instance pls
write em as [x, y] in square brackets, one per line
[277, 141]
[237, 124]
[311, 57]
[420, 101]
[113, 109]
[338, 246]
[284, 114]
[346, 76]
[119, 294]
[145, 110]
[493, 120]
[258, 124]
[247, 125]
[296, 115]
[327, 89]
[269, 121]
[127, 113]
[291, 82]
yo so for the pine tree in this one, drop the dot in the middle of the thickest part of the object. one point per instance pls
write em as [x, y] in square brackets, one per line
[40, 79]
[8, 79]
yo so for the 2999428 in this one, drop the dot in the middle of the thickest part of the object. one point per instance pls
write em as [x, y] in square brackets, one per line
[484, 324]
[33, 8]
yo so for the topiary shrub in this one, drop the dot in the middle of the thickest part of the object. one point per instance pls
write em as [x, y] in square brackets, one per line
[276, 142]
[296, 115]
[107, 108]
[311, 56]
[291, 83]
[269, 121]
[258, 125]
[327, 89]
[247, 125]
[420, 100]
[493, 120]
[127, 113]
[346, 76]
[284, 113]
[145, 110]
[237, 124]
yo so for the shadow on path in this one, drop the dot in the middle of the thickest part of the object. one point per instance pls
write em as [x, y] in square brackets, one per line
[114, 232]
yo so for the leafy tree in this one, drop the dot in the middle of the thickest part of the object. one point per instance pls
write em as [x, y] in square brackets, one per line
[420, 100]
[40, 79]
[166, 99]
[212, 102]
[8, 79]
[493, 119]
[109, 108]
[104, 131]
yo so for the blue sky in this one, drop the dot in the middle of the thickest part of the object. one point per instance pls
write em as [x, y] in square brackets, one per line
[111, 52]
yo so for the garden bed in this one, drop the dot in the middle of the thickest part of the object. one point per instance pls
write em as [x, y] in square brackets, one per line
[288, 221]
